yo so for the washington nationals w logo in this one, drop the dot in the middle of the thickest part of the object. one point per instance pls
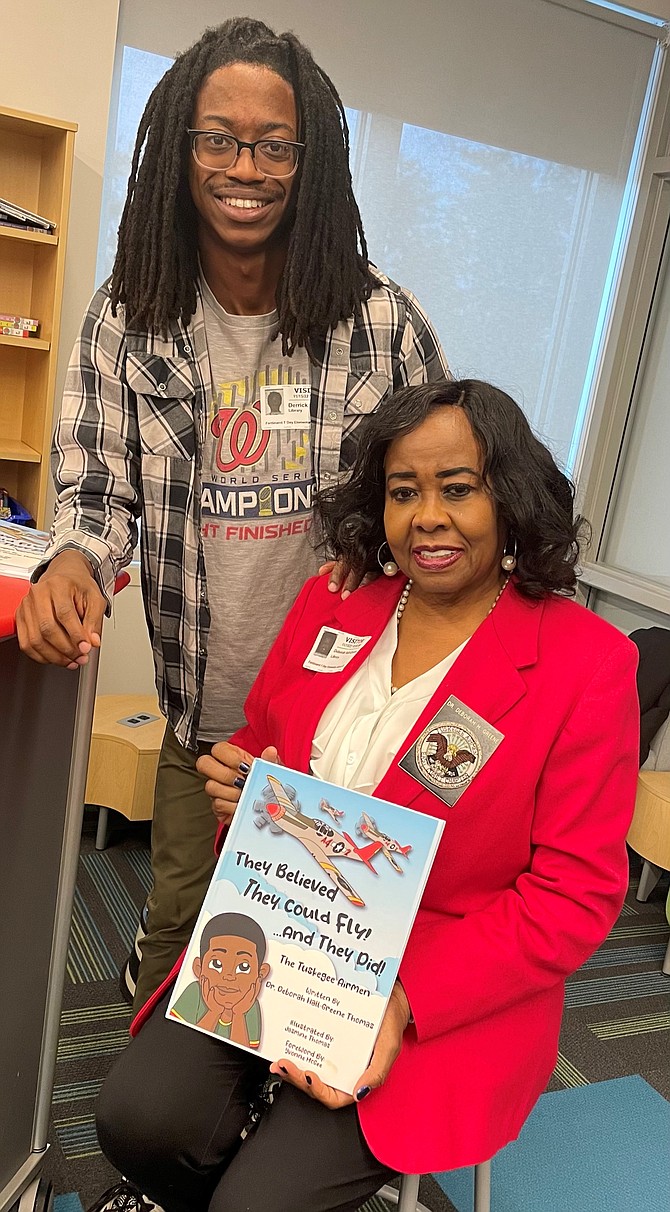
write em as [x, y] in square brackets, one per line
[241, 441]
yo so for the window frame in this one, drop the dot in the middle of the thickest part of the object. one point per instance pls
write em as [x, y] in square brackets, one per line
[625, 348]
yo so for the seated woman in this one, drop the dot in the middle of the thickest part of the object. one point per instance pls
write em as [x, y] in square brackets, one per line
[474, 526]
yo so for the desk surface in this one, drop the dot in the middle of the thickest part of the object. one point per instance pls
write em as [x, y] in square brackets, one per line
[110, 709]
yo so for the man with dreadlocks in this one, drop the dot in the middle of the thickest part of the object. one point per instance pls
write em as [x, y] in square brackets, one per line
[218, 380]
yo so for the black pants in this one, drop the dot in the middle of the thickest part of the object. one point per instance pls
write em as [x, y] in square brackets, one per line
[170, 1116]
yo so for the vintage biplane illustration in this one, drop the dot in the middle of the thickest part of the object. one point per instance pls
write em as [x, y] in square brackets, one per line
[283, 815]
[367, 828]
[335, 813]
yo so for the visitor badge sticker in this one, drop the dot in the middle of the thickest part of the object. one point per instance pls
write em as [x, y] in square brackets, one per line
[451, 750]
[332, 650]
[285, 405]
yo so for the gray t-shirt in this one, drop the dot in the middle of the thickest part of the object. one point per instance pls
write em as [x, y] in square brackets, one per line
[257, 483]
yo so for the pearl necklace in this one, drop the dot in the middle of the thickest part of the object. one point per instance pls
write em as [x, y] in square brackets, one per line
[408, 589]
[403, 599]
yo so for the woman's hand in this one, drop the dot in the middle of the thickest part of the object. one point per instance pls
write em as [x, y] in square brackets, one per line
[340, 578]
[225, 770]
[388, 1045]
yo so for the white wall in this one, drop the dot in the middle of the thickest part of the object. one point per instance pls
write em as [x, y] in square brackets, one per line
[126, 663]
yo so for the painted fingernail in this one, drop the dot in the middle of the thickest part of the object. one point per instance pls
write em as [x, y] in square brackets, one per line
[362, 1093]
[283, 1069]
[239, 783]
[308, 1079]
[244, 767]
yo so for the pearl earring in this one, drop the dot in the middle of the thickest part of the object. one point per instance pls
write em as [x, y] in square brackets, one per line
[388, 567]
[508, 562]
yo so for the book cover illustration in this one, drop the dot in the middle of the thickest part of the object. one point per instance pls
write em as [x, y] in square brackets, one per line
[301, 932]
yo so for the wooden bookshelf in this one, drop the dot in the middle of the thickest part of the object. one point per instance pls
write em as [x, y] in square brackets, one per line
[36, 157]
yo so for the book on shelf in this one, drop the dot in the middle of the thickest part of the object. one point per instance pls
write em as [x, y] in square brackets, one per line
[23, 226]
[9, 330]
[6, 318]
[18, 216]
[301, 933]
[21, 549]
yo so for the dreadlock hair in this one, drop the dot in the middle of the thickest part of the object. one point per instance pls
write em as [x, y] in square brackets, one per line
[326, 274]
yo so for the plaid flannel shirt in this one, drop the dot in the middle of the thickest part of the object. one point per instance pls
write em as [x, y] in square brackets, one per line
[129, 444]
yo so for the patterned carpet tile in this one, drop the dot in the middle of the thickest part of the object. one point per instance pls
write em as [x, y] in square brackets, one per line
[622, 1028]
[607, 989]
[89, 958]
[612, 957]
[566, 1074]
[73, 1092]
[76, 1136]
[110, 883]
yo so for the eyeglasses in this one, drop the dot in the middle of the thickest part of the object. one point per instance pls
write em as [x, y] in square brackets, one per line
[272, 157]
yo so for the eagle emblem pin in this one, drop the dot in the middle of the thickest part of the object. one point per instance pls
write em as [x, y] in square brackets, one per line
[451, 750]
[449, 756]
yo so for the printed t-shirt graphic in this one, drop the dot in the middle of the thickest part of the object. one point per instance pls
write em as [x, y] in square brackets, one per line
[257, 487]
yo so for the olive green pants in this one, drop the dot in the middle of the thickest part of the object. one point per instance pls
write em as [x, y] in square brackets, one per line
[182, 862]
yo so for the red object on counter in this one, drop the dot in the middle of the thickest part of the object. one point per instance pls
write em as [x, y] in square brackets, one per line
[14, 589]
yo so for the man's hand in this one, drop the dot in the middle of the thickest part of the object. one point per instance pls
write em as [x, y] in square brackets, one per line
[60, 619]
[386, 1050]
[225, 770]
[340, 578]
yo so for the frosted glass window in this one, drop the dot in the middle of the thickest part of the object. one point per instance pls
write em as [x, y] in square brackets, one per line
[639, 522]
[491, 156]
[139, 75]
[508, 253]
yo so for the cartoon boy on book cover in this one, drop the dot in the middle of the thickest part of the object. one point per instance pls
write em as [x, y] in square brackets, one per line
[229, 973]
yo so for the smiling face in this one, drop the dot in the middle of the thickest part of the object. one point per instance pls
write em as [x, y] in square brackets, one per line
[440, 516]
[239, 208]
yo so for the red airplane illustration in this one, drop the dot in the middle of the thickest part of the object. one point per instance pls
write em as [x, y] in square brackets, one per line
[320, 840]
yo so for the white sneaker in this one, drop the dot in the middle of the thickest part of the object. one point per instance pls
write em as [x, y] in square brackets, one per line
[124, 1197]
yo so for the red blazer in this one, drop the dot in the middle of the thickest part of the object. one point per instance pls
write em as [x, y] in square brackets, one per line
[531, 871]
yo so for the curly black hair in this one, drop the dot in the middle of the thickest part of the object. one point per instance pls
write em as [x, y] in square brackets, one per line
[534, 499]
[326, 275]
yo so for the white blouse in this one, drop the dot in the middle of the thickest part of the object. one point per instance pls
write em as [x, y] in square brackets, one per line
[364, 725]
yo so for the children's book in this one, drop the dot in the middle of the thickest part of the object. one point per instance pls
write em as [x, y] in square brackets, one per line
[303, 927]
